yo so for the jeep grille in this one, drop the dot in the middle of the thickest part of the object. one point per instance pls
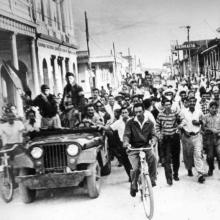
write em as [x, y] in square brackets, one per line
[55, 158]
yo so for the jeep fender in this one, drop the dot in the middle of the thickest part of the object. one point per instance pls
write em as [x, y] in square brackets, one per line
[22, 160]
[88, 155]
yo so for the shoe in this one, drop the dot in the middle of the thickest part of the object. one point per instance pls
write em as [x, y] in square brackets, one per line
[176, 178]
[201, 179]
[153, 183]
[190, 173]
[169, 181]
[1, 168]
[210, 173]
[133, 192]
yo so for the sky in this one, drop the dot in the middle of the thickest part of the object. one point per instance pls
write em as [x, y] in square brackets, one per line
[147, 27]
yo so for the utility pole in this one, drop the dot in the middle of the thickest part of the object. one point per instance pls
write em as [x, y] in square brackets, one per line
[87, 34]
[190, 64]
[178, 58]
[114, 53]
[189, 53]
[129, 61]
[91, 79]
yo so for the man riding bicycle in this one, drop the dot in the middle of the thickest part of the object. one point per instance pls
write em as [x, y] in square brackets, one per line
[139, 131]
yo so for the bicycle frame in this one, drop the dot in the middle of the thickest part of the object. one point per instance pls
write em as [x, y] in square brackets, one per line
[7, 187]
[144, 181]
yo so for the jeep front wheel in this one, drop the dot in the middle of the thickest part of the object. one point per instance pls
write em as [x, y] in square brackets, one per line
[94, 181]
[27, 195]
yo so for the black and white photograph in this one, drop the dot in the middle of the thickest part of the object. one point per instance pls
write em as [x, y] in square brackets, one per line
[109, 109]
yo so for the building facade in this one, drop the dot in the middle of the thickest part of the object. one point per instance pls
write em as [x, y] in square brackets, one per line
[105, 70]
[204, 59]
[37, 42]
[17, 49]
[56, 44]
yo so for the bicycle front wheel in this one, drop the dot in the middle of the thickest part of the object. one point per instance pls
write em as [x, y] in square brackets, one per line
[7, 185]
[147, 195]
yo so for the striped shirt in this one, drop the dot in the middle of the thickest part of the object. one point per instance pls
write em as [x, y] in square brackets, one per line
[166, 124]
[212, 121]
[204, 107]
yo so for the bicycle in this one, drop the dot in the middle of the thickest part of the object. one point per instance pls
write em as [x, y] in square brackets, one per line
[7, 178]
[144, 183]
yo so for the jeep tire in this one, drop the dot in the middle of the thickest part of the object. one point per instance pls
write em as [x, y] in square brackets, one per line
[94, 180]
[27, 195]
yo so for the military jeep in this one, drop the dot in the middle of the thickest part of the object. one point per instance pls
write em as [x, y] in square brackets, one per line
[63, 158]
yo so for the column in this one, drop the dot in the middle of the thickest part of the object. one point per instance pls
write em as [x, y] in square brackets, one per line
[34, 67]
[64, 72]
[14, 51]
[61, 74]
[57, 77]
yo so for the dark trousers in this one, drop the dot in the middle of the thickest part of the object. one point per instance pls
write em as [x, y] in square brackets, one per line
[151, 161]
[170, 152]
[117, 150]
[212, 149]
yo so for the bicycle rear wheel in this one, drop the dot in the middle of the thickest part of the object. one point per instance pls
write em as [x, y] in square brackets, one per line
[147, 195]
[7, 184]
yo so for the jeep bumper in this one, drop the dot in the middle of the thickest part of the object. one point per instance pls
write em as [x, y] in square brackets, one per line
[53, 180]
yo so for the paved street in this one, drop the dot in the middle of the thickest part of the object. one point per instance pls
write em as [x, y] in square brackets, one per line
[185, 200]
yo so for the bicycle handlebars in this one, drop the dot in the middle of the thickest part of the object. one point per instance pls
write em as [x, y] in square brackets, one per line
[139, 149]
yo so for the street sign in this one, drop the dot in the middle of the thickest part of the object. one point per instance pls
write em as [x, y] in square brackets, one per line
[186, 46]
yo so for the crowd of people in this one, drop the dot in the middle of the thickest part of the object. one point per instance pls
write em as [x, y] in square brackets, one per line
[166, 119]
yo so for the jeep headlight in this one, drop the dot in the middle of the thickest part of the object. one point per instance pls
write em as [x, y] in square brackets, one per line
[72, 150]
[36, 152]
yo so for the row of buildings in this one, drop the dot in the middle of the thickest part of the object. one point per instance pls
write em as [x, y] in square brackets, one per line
[203, 59]
[38, 42]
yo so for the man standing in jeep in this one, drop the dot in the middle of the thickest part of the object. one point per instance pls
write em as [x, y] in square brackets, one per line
[48, 108]
[72, 102]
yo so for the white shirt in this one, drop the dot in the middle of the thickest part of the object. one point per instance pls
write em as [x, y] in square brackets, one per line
[110, 110]
[12, 133]
[141, 125]
[188, 117]
[149, 115]
[30, 128]
[119, 126]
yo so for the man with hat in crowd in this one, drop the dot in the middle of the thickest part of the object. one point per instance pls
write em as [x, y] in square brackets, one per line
[169, 94]
[72, 103]
[48, 109]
